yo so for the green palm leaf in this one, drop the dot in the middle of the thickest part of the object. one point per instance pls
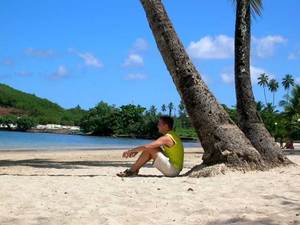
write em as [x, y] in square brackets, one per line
[256, 7]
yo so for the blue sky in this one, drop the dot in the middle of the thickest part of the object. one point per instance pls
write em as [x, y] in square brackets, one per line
[82, 52]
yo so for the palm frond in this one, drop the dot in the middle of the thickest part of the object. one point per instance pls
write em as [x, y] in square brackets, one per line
[256, 7]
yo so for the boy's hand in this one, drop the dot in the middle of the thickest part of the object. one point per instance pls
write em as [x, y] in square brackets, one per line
[129, 153]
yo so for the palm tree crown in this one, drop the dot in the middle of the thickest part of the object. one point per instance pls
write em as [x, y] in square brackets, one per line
[273, 87]
[288, 81]
[263, 80]
[256, 7]
[163, 108]
[292, 106]
[170, 107]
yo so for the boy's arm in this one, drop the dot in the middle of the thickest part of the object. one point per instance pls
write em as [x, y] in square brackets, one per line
[164, 140]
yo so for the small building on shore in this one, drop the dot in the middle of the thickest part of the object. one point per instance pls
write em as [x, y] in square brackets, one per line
[57, 127]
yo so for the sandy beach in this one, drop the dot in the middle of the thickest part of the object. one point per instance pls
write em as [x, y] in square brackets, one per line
[80, 187]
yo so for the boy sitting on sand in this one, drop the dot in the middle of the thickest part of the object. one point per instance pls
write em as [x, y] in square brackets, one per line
[167, 152]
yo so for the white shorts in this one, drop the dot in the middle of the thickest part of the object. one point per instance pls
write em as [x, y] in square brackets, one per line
[163, 164]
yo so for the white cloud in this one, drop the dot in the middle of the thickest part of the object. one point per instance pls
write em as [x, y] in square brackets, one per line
[7, 62]
[23, 73]
[265, 46]
[135, 76]
[294, 55]
[61, 72]
[134, 59]
[40, 53]
[218, 47]
[140, 44]
[90, 60]
[256, 72]
[227, 76]
[222, 46]
[297, 80]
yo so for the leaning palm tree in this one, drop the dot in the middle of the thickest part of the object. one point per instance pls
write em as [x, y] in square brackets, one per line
[263, 81]
[288, 82]
[222, 140]
[249, 118]
[273, 87]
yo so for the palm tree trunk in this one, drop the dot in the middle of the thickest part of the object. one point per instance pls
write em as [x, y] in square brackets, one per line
[248, 117]
[222, 140]
[264, 91]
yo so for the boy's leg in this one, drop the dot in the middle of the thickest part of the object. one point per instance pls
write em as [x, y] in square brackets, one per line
[144, 158]
[163, 164]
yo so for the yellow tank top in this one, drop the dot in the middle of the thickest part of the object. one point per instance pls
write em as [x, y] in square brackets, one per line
[176, 152]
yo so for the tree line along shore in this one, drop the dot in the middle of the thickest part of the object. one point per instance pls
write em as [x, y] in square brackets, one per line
[27, 112]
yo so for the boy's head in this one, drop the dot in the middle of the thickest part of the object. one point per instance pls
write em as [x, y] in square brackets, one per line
[165, 123]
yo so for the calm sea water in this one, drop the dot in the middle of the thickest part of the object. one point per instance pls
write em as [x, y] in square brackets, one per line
[11, 140]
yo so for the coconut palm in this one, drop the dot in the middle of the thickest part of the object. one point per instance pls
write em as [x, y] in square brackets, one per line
[292, 106]
[182, 113]
[152, 110]
[263, 81]
[181, 109]
[288, 82]
[269, 108]
[163, 108]
[222, 140]
[273, 87]
[249, 117]
[259, 106]
[170, 107]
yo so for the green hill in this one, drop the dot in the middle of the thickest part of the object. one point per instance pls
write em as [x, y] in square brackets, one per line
[41, 109]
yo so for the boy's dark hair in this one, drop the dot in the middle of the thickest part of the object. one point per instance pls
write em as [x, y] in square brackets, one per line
[168, 120]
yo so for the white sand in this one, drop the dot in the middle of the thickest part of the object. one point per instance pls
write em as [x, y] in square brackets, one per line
[80, 187]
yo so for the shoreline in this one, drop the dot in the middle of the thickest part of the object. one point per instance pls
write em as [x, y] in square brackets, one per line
[70, 149]
[68, 132]
[114, 149]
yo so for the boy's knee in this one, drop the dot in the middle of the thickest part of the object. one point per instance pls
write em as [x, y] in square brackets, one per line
[147, 152]
[151, 151]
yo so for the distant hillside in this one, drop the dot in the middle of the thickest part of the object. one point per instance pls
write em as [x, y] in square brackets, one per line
[15, 102]
[11, 111]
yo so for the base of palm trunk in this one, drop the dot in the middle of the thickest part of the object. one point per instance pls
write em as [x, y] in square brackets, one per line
[204, 170]
[265, 144]
[207, 171]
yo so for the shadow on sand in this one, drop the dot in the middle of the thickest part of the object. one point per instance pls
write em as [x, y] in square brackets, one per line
[291, 152]
[294, 218]
[83, 164]
[52, 164]
[46, 163]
